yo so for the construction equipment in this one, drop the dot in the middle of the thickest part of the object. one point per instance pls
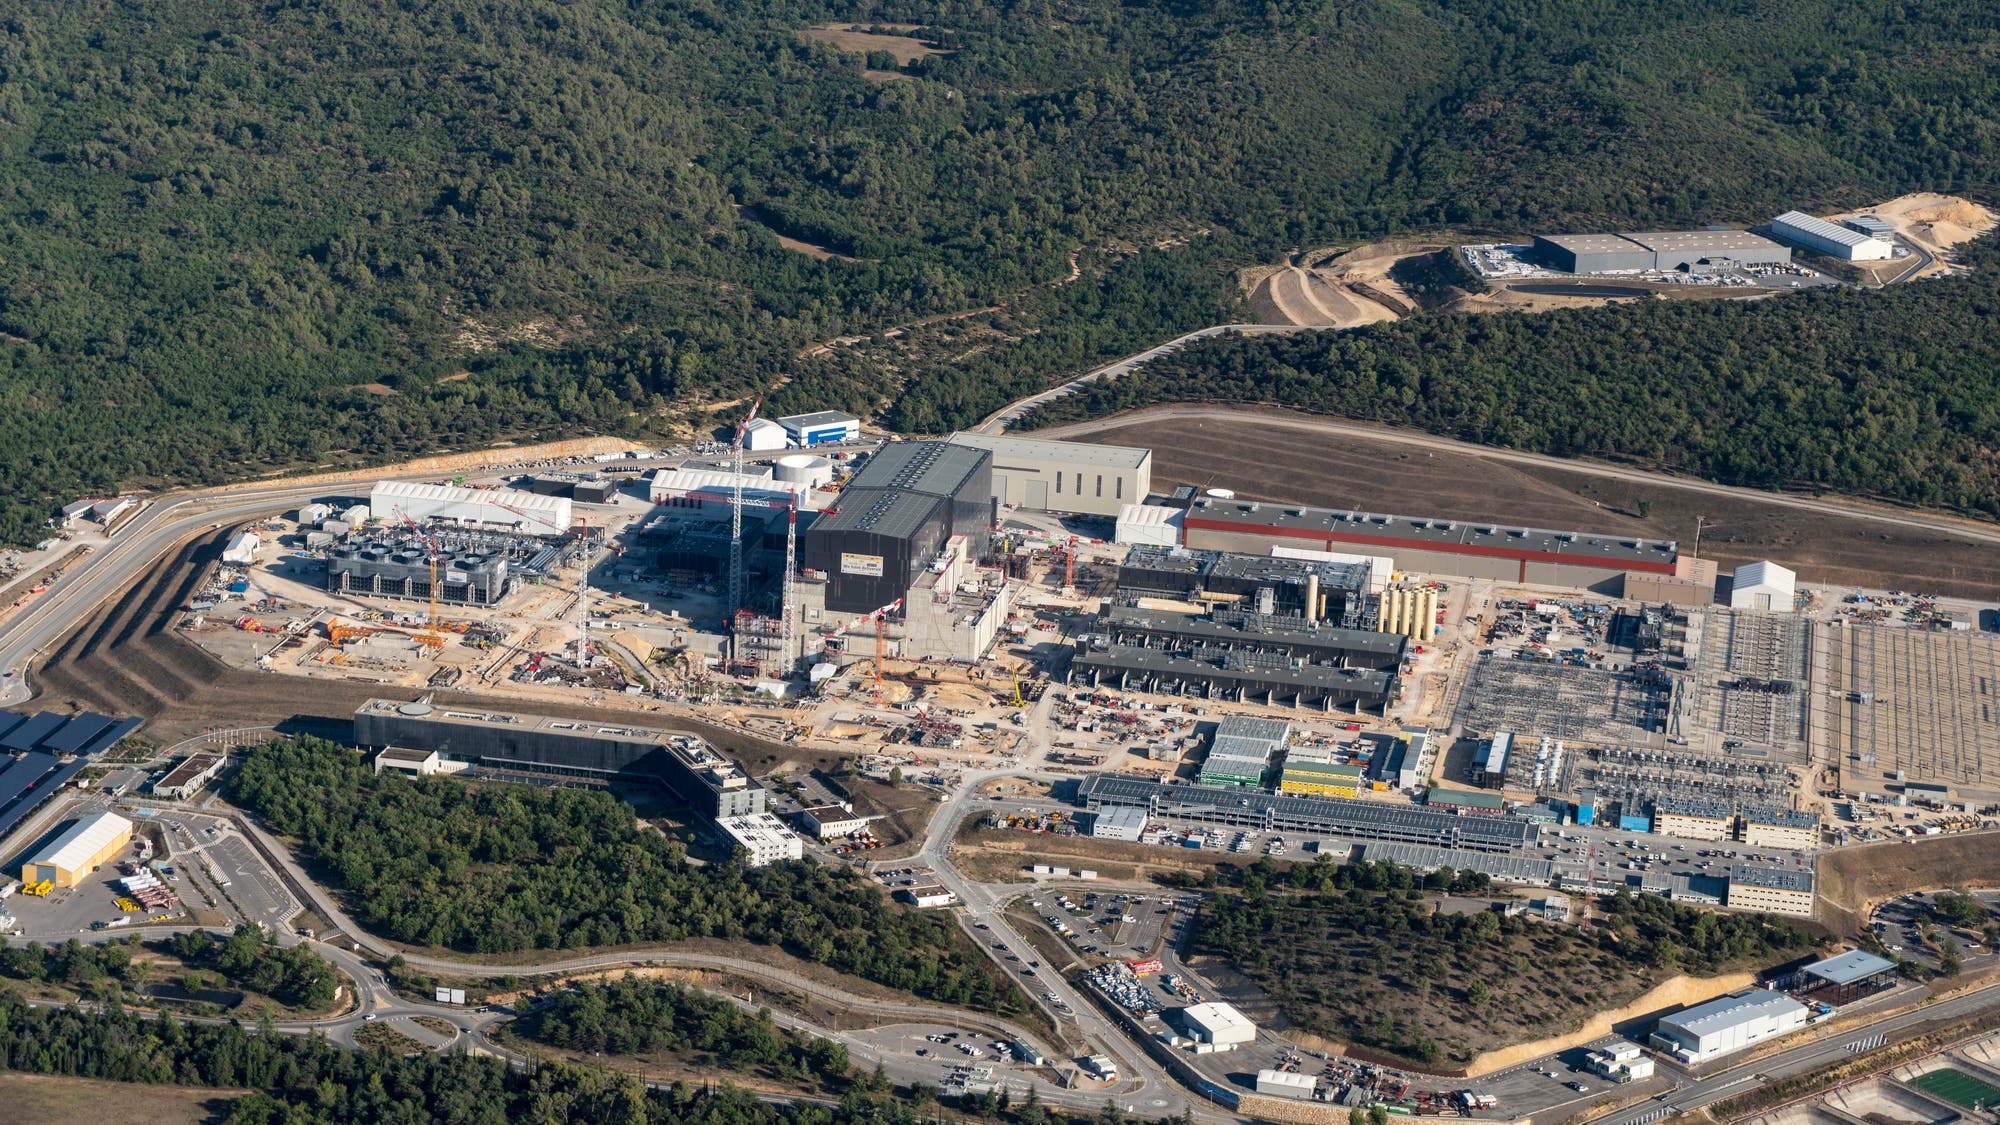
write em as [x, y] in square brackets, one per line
[1018, 701]
[582, 578]
[340, 632]
[736, 509]
[430, 637]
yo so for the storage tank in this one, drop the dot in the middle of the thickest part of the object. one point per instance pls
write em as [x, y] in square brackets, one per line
[1220, 494]
[803, 468]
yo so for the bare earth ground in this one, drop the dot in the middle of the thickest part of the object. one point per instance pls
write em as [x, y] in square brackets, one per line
[1938, 223]
[1325, 294]
[851, 37]
[49, 1100]
[1347, 471]
[1853, 880]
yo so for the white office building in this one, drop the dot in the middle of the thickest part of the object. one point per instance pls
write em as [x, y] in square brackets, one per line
[1620, 1061]
[1219, 1024]
[1830, 239]
[1118, 824]
[764, 836]
[1727, 1025]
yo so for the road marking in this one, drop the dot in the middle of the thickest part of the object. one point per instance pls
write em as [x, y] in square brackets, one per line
[1873, 1042]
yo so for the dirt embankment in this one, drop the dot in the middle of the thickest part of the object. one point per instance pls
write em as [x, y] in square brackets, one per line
[1328, 289]
[452, 463]
[1853, 880]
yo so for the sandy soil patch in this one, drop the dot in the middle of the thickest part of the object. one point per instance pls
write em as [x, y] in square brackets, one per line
[1854, 880]
[1680, 992]
[1933, 221]
[857, 39]
[1341, 290]
[49, 1100]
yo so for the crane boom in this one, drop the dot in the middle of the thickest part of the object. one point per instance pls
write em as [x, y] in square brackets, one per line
[736, 511]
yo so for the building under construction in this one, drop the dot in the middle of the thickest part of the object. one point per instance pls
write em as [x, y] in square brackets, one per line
[473, 567]
[1227, 630]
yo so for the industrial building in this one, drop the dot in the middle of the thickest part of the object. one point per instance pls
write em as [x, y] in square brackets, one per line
[242, 549]
[1661, 251]
[85, 846]
[821, 427]
[1064, 476]
[1691, 584]
[710, 492]
[399, 566]
[1319, 779]
[1846, 977]
[1727, 1025]
[189, 776]
[763, 837]
[1317, 816]
[1780, 828]
[1489, 759]
[1619, 1061]
[1313, 589]
[538, 747]
[1763, 586]
[582, 489]
[1236, 676]
[1241, 749]
[1425, 858]
[1774, 890]
[417, 763]
[1218, 1023]
[1400, 764]
[830, 822]
[1841, 242]
[763, 436]
[894, 517]
[1147, 525]
[1286, 1084]
[927, 895]
[1459, 548]
[1692, 819]
[1232, 630]
[1118, 824]
[1480, 801]
[485, 507]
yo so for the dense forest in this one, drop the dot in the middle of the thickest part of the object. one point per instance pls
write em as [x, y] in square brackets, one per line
[304, 1080]
[294, 233]
[498, 868]
[1393, 974]
[248, 959]
[1889, 393]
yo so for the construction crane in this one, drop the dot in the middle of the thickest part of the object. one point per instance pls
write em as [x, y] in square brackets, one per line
[788, 607]
[430, 636]
[736, 509]
[879, 618]
[1018, 700]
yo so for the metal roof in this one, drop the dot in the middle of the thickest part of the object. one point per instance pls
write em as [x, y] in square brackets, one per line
[1244, 627]
[30, 734]
[1467, 798]
[77, 732]
[1354, 817]
[1464, 536]
[816, 420]
[1730, 1011]
[1704, 241]
[84, 839]
[1689, 807]
[1078, 453]
[1591, 243]
[883, 511]
[1775, 878]
[17, 775]
[1848, 967]
[1280, 674]
[1819, 228]
[1786, 818]
[931, 468]
[1517, 868]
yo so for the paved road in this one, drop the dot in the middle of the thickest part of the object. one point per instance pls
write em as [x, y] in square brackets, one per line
[1915, 521]
[1735, 1080]
[999, 420]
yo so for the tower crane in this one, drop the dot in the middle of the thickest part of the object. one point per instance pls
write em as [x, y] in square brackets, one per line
[880, 619]
[430, 636]
[736, 509]
[788, 606]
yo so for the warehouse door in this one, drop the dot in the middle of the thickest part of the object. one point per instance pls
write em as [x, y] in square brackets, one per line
[1000, 489]
[1038, 495]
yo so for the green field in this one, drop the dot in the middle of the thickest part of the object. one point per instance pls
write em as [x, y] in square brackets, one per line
[1957, 1087]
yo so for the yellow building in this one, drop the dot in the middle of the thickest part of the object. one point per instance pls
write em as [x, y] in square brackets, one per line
[1693, 820]
[1319, 779]
[87, 845]
[1780, 828]
[1775, 890]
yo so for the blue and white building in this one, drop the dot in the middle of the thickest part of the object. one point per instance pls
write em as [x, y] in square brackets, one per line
[821, 427]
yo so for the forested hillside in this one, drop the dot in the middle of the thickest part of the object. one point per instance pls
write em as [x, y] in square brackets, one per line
[277, 235]
[1890, 393]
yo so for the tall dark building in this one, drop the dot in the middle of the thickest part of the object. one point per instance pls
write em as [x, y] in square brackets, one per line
[895, 516]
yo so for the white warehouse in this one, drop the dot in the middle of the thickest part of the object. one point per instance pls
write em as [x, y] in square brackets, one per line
[525, 511]
[1764, 586]
[1829, 238]
[1065, 476]
[1219, 1024]
[1728, 1024]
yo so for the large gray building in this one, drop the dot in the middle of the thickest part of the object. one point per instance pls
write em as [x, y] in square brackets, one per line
[894, 517]
[1325, 816]
[539, 746]
[1064, 476]
[1664, 251]
[400, 567]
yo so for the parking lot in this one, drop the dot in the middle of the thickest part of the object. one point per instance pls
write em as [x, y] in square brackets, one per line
[1902, 924]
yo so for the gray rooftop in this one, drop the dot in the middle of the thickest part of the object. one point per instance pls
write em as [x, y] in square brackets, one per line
[888, 512]
[1421, 533]
[1424, 858]
[1728, 1011]
[1279, 673]
[1776, 878]
[1848, 967]
[1591, 243]
[933, 468]
[1352, 817]
[1788, 818]
[1228, 626]
[1703, 241]
[815, 420]
[1687, 806]
[1078, 453]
